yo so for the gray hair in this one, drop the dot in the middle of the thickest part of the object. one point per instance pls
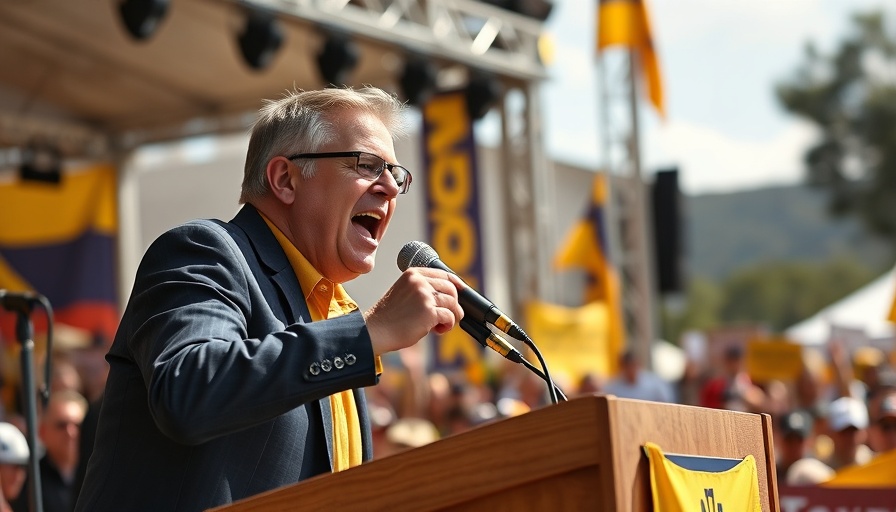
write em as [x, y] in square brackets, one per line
[300, 122]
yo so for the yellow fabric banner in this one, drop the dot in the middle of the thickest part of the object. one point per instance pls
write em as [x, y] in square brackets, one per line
[676, 489]
[40, 214]
[574, 340]
[879, 472]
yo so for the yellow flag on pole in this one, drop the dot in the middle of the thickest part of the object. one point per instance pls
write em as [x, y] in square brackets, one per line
[586, 248]
[626, 23]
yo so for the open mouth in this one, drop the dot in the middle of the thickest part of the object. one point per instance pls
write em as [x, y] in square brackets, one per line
[368, 221]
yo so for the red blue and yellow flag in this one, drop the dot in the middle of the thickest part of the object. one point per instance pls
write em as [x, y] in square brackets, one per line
[59, 240]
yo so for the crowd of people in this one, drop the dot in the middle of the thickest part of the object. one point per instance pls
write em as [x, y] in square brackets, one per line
[840, 411]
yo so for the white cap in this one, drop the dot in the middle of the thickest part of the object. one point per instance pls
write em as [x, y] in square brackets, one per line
[847, 412]
[13, 446]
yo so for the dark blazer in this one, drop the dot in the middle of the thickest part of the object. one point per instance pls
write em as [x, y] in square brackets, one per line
[215, 390]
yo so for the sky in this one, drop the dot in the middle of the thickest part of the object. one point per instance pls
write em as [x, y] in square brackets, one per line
[720, 61]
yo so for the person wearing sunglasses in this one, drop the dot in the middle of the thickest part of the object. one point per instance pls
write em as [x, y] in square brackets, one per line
[239, 360]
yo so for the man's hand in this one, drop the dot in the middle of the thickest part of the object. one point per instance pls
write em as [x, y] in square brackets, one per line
[421, 301]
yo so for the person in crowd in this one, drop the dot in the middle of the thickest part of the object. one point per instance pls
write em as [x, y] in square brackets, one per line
[14, 456]
[885, 424]
[239, 359]
[59, 431]
[848, 426]
[733, 390]
[794, 435]
[633, 381]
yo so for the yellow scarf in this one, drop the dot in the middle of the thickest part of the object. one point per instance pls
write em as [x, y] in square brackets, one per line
[326, 299]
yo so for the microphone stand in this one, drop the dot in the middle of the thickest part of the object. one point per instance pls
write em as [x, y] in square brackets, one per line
[25, 335]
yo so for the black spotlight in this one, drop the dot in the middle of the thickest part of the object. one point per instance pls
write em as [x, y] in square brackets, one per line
[337, 59]
[482, 92]
[538, 9]
[41, 161]
[260, 39]
[142, 17]
[417, 80]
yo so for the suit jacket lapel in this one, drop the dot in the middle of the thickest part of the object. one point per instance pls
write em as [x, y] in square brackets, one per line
[282, 274]
[271, 254]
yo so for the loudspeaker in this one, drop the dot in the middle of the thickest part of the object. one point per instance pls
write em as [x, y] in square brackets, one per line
[668, 233]
[337, 59]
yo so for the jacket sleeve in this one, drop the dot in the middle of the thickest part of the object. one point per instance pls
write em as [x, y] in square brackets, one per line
[213, 355]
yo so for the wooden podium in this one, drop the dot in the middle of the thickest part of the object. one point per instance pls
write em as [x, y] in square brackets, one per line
[584, 454]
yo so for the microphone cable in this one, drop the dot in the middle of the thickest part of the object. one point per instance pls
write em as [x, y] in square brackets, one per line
[490, 339]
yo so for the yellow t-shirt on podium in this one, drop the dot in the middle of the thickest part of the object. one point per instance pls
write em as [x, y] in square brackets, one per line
[677, 489]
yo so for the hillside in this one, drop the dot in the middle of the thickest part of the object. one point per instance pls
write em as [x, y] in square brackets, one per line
[726, 231]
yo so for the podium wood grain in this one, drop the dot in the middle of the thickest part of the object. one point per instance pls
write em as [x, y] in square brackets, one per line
[581, 455]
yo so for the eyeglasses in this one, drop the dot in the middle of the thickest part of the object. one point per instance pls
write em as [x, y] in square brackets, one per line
[63, 424]
[368, 165]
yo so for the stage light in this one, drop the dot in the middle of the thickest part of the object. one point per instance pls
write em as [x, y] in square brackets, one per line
[482, 92]
[418, 80]
[142, 17]
[260, 39]
[337, 59]
[41, 161]
[538, 9]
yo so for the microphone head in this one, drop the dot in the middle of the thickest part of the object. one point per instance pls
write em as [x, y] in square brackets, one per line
[416, 254]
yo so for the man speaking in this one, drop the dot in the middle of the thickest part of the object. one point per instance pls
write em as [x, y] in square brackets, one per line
[236, 366]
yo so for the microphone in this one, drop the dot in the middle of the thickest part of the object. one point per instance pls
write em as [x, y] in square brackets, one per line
[476, 307]
[18, 301]
[487, 338]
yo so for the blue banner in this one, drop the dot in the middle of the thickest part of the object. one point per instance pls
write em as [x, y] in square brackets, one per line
[452, 212]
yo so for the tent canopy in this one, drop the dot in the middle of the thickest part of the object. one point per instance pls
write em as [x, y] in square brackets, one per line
[863, 311]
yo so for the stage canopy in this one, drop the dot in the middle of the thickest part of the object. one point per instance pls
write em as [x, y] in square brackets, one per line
[73, 74]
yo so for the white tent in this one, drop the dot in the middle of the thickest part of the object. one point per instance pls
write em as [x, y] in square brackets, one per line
[864, 313]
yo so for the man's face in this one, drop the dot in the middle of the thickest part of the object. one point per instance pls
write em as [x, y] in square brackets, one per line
[887, 427]
[60, 429]
[12, 479]
[339, 217]
[793, 447]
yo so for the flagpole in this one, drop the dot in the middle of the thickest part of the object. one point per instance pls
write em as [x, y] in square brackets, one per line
[640, 296]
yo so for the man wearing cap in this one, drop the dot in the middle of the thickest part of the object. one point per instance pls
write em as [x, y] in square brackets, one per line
[795, 430]
[13, 464]
[848, 423]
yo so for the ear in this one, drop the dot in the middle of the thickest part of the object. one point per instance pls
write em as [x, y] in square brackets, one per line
[280, 180]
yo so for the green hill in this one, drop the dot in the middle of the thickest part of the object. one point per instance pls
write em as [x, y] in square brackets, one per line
[724, 232]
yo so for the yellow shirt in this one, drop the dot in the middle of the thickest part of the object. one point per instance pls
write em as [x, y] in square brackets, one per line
[326, 299]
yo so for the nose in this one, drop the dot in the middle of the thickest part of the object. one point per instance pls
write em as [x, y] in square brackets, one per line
[386, 185]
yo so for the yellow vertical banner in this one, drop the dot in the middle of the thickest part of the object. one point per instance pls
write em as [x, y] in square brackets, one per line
[452, 206]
